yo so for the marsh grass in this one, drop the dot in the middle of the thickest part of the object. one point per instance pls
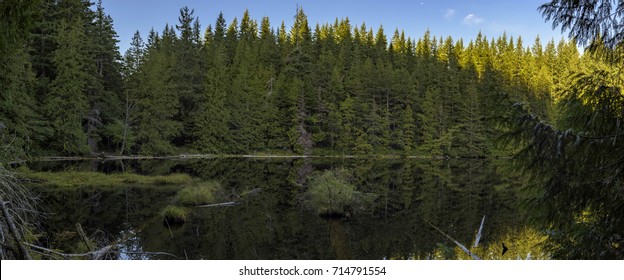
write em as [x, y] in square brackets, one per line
[198, 194]
[96, 179]
[173, 214]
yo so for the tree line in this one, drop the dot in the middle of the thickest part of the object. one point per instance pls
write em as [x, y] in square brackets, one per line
[248, 87]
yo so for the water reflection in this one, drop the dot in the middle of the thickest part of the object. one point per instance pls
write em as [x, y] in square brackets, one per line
[277, 222]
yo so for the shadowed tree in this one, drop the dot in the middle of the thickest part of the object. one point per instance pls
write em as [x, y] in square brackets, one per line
[577, 162]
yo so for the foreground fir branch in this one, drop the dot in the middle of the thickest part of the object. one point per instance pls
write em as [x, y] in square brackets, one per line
[576, 160]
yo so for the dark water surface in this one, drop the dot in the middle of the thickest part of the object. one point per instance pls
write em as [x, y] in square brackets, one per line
[277, 222]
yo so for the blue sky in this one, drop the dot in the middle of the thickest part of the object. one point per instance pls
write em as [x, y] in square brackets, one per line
[459, 19]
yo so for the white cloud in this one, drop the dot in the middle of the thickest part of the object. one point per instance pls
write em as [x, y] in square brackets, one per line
[449, 13]
[471, 19]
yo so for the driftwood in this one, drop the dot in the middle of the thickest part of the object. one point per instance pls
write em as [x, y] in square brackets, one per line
[223, 204]
[151, 253]
[96, 255]
[84, 237]
[478, 237]
[13, 230]
[461, 246]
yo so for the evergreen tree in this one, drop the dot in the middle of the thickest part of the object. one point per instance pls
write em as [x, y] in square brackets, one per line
[67, 106]
[124, 130]
[187, 75]
[576, 162]
[106, 97]
[157, 101]
[20, 124]
[211, 126]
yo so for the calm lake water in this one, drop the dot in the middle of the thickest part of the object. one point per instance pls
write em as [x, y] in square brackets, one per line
[276, 221]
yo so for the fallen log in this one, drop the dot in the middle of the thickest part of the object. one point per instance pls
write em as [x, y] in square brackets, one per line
[223, 204]
[96, 255]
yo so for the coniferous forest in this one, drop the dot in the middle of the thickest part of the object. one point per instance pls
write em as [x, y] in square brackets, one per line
[255, 86]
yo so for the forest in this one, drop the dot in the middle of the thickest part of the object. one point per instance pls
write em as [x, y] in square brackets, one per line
[250, 87]
[332, 89]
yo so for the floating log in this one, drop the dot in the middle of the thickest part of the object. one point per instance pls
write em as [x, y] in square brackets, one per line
[478, 237]
[223, 204]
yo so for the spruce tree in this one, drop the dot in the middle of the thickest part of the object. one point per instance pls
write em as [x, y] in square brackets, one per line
[67, 106]
[157, 102]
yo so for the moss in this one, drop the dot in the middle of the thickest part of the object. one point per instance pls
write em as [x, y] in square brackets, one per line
[174, 215]
[197, 194]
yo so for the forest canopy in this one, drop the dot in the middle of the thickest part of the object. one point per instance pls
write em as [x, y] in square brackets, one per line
[251, 86]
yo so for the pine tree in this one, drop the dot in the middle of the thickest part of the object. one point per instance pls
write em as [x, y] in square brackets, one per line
[157, 101]
[67, 105]
[106, 96]
[211, 126]
[407, 131]
[246, 92]
[20, 124]
[187, 75]
[125, 129]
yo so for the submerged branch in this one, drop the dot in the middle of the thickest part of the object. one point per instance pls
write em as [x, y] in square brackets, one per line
[461, 246]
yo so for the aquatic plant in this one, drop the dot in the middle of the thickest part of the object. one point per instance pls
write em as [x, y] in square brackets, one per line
[97, 179]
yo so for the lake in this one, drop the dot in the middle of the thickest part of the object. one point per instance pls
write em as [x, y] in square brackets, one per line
[393, 208]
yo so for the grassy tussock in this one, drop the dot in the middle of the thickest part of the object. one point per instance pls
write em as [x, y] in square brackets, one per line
[200, 194]
[175, 214]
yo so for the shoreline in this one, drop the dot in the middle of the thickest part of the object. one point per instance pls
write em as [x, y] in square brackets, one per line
[268, 156]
